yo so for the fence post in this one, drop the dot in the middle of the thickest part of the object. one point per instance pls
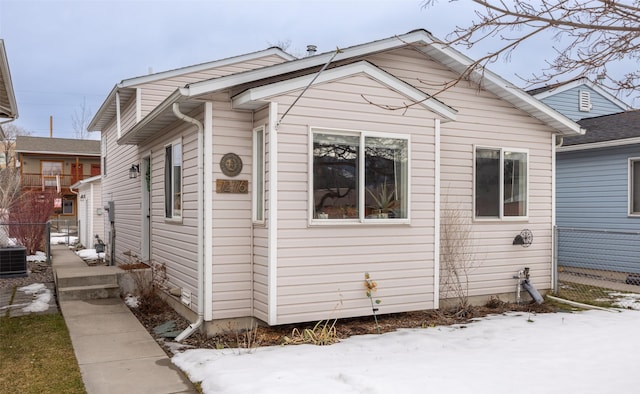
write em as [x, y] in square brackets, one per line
[48, 241]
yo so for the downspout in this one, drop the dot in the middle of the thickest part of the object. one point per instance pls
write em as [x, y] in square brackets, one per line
[436, 224]
[198, 323]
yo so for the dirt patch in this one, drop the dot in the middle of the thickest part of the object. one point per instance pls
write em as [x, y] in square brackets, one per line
[277, 335]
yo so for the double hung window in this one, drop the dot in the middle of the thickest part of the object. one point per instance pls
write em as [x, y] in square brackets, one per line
[359, 176]
[501, 183]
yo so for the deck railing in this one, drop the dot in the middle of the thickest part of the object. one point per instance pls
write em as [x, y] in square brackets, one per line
[45, 181]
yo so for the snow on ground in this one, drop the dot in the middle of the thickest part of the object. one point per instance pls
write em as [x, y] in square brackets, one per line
[586, 352]
[39, 257]
[41, 297]
[62, 238]
[90, 254]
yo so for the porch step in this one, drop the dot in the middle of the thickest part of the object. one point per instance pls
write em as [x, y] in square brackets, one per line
[87, 283]
[89, 292]
[87, 276]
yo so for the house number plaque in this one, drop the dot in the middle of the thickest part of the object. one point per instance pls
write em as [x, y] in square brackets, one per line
[232, 186]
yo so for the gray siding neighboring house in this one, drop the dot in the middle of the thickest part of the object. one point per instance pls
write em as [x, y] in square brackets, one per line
[598, 194]
[579, 99]
[289, 238]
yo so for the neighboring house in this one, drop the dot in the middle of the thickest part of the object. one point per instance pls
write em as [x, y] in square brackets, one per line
[579, 98]
[268, 187]
[57, 163]
[90, 210]
[598, 193]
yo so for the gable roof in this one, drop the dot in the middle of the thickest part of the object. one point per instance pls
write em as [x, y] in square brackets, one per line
[604, 131]
[57, 146]
[421, 40]
[8, 105]
[125, 88]
[550, 90]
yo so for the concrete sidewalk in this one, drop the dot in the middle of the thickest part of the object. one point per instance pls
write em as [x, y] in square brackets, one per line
[115, 352]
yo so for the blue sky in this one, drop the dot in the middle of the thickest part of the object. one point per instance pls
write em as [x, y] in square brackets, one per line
[65, 53]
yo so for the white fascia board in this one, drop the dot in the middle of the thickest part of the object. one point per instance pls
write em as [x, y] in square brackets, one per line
[256, 95]
[602, 144]
[8, 85]
[508, 91]
[131, 82]
[85, 181]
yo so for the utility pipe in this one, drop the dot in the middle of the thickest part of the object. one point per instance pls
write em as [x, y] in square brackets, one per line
[200, 226]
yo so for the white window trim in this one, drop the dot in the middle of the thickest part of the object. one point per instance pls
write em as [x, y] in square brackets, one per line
[174, 218]
[630, 212]
[361, 181]
[501, 216]
[258, 178]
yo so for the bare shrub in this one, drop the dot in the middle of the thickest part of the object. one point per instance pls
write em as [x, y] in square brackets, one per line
[27, 218]
[457, 255]
[148, 280]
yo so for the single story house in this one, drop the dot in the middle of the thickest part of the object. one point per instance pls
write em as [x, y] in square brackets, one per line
[268, 186]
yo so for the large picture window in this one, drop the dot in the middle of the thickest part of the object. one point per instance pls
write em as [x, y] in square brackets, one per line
[173, 180]
[359, 176]
[500, 183]
[51, 172]
[634, 186]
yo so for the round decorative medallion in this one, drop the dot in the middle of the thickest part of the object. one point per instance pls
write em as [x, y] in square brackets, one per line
[231, 164]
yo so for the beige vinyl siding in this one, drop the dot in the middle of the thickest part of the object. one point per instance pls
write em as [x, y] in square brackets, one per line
[94, 205]
[321, 268]
[232, 270]
[485, 120]
[117, 187]
[175, 242]
[260, 237]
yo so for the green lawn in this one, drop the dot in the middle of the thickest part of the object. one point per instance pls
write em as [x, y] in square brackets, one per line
[36, 356]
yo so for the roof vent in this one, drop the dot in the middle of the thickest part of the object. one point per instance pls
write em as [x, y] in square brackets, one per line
[584, 98]
[311, 50]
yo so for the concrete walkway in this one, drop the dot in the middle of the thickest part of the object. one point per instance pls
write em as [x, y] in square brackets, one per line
[115, 352]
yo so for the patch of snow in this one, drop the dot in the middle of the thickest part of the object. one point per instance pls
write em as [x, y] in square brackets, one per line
[626, 300]
[131, 301]
[41, 297]
[39, 257]
[89, 254]
[586, 352]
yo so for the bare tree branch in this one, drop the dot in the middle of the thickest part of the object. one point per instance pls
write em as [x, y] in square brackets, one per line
[591, 35]
[80, 120]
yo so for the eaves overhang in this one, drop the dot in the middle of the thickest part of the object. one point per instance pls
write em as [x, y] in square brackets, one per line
[126, 88]
[421, 40]
[8, 104]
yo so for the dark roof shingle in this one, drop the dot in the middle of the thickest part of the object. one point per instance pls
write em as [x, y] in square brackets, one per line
[613, 127]
[63, 146]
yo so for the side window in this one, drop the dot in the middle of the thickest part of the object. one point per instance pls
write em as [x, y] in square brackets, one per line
[173, 180]
[500, 186]
[634, 186]
[258, 174]
[359, 176]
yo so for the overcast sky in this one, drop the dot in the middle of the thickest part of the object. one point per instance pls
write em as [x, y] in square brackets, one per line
[65, 53]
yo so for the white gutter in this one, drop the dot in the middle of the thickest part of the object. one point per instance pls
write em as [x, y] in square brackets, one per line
[436, 221]
[601, 144]
[194, 326]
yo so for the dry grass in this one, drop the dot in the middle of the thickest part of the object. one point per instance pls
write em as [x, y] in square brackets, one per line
[36, 356]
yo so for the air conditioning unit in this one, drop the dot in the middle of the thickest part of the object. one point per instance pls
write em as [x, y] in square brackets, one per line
[13, 261]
